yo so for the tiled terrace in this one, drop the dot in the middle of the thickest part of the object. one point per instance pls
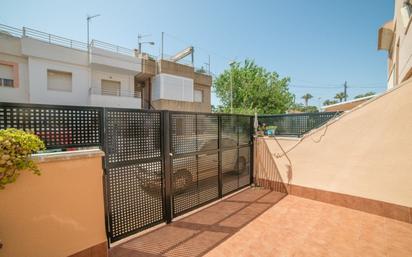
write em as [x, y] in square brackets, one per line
[259, 222]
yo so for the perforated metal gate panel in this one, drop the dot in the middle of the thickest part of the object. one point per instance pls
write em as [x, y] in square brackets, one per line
[235, 147]
[57, 125]
[195, 162]
[196, 140]
[134, 174]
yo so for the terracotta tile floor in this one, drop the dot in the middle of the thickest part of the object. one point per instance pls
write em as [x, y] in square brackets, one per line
[291, 226]
[298, 227]
[200, 232]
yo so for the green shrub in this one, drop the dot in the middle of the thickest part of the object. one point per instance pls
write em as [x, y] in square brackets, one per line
[15, 149]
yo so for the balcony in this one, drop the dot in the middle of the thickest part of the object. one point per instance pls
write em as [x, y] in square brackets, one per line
[115, 98]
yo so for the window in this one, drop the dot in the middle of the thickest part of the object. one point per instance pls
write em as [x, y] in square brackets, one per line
[59, 80]
[198, 97]
[6, 75]
[110, 87]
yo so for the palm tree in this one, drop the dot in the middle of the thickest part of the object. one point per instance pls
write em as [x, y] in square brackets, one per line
[340, 96]
[306, 97]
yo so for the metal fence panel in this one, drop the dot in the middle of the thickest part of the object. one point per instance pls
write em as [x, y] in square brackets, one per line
[134, 171]
[296, 124]
[57, 125]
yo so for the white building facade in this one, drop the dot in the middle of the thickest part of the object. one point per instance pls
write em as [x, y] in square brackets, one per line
[36, 67]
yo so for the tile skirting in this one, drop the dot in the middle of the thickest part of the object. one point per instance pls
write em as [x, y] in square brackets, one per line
[384, 209]
[99, 250]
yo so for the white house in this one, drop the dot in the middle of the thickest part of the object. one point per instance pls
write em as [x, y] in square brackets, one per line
[36, 67]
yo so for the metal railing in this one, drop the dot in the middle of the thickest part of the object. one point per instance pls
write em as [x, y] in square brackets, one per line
[113, 48]
[15, 32]
[74, 44]
[62, 41]
[296, 124]
[53, 39]
[114, 92]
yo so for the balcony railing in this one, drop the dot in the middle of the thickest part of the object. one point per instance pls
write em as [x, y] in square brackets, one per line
[115, 92]
[112, 48]
[61, 41]
[53, 39]
[15, 32]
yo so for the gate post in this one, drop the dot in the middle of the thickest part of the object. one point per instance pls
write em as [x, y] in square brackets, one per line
[219, 145]
[252, 149]
[167, 165]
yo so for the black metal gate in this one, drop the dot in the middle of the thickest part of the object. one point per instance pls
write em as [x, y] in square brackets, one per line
[160, 164]
[236, 152]
[210, 157]
[134, 177]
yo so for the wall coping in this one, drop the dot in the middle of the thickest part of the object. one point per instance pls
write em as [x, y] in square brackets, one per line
[280, 138]
[69, 155]
[289, 138]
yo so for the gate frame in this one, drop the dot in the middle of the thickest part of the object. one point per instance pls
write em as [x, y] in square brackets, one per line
[110, 238]
[167, 165]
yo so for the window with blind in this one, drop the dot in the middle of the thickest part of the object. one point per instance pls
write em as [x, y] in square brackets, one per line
[6, 75]
[59, 81]
[110, 87]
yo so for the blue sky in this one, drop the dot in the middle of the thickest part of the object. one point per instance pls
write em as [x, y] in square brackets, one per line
[319, 44]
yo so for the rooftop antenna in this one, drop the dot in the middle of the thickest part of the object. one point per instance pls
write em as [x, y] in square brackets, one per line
[89, 18]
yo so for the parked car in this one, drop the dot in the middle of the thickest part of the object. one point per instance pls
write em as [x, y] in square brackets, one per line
[191, 170]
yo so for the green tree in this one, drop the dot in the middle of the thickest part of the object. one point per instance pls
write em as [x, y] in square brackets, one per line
[365, 95]
[307, 97]
[254, 90]
[329, 102]
[340, 96]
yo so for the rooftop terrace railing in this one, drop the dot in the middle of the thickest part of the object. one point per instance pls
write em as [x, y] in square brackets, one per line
[43, 36]
[112, 48]
[296, 124]
[53, 39]
[74, 44]
[62, 41]
[15, 32]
